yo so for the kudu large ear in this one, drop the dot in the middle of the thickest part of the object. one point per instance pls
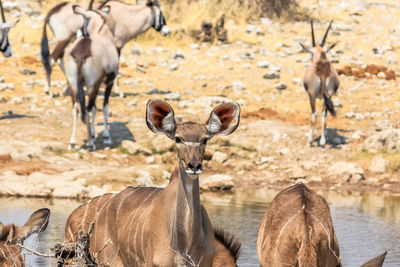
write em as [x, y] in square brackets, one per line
[36, 223]
[224, 119]
[105, 11]
[160, 118]
[375, 262]
[330, 47]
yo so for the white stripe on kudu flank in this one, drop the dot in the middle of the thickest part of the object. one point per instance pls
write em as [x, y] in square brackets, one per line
[133, 217]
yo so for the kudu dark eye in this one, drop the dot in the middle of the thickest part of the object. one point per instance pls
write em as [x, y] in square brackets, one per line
[178, 140]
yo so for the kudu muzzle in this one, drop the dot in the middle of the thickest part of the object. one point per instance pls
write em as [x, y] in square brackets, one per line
[191, 157]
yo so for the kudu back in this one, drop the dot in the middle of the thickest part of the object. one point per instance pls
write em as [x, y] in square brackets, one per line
[148, 226]
[11, 235]
[125, 22]
[320, 81]
[297, 230]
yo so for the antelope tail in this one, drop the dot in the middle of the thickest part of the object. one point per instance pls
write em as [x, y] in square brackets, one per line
[45, 51]
[307, 255]
[327, 100]
[81, 93]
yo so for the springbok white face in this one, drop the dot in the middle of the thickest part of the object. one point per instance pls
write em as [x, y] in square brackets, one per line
[159, 23]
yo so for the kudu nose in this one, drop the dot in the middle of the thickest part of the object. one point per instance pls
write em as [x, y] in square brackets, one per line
[194, 166]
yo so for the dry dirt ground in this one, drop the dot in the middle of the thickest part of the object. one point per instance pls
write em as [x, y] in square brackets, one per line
[269, 149]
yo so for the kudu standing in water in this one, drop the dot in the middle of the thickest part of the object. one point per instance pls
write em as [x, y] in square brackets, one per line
[320, 81]
[5, 27]
[92, 59]
[297, 230]
[125, 22]
[146, 226]
[12, 235]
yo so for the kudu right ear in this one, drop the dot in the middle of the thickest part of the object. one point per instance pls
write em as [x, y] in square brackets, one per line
[306, 48]
[160, 118]
[375, 262]
[105, 11]
[224, 119]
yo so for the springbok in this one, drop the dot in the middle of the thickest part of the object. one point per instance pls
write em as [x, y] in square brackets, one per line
[297, 230]
[12, 235]
[146, 226]
[125, 22]
[320, 81]
[92, 59]
[5, 27]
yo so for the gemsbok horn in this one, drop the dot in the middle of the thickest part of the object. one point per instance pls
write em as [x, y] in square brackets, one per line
[297, 230]
[125, 22]
[147, 226]
[320, 81]
[12, 236]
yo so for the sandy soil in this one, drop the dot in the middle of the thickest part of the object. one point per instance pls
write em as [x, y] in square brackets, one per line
[269, 149]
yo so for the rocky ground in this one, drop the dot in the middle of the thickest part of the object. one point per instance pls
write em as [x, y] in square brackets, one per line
[261, 67]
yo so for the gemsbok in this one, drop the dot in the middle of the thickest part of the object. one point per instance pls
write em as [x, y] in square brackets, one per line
[5, 27]
[320, 81]
[147, 226]
[11, 235]
[125, 22]
[297, 230]
[91, 60]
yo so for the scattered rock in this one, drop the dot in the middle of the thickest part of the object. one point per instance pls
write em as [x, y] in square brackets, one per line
[173, 66]
[357, 135]
[16, 100]
[280, 86]
[26, 71]
[135, 149]
[337, 103]
[236, 85]
[382, 125]
[219, 157]
[347, 171]
[145, 179]
[5, 86]
[216, 182]
[386, 140]
[379, 165]
[272, 75]
[178, 55]
[175, 96]
[263, 64]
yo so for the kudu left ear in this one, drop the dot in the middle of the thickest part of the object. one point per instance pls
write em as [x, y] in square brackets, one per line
[105, 11]
[36, 223]
[224, 119]
[160, 118]
[305, 48]
[375, 262]
[78, 10]
[330, 47]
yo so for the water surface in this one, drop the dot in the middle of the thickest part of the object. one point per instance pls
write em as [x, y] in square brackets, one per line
[365, 224]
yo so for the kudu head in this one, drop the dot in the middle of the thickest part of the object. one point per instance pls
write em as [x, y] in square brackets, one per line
[93, 20]
[5, 27]
[11, 235]
[191, 137]
[317, 50]
[158, 23]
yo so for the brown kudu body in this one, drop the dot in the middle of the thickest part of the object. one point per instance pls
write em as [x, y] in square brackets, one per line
[125, 22]
[321, 82]
[12, 235]
[159, 226]
[297, 230]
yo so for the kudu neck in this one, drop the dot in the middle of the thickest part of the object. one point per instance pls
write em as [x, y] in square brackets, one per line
[188, 221]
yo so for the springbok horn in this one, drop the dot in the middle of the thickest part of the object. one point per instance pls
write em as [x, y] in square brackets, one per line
[90, 5]
[312, 34]
[103, 4]
[2, 12]
[326, 34]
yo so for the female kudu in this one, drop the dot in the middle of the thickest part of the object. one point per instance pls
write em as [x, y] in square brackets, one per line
[297, 230]
[91, 60]
[145, 226]
[320, 81]
[125, 22]
[12, 235]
